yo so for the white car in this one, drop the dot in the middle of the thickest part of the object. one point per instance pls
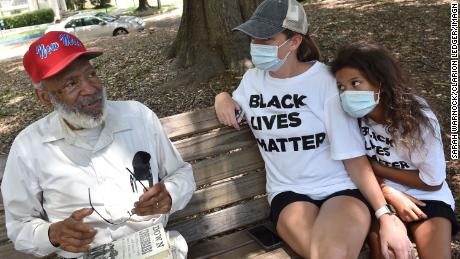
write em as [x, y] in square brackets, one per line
[91, 25]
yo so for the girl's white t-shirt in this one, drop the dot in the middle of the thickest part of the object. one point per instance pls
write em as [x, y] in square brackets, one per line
[428, 158]
[301, 130]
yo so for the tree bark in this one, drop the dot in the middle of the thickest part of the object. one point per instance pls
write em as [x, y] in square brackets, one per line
[205, 43]
[143, 5]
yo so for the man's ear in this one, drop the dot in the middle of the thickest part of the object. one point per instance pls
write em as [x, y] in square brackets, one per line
[43, 97]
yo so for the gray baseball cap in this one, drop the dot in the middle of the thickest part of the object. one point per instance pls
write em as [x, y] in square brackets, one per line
[274, 16]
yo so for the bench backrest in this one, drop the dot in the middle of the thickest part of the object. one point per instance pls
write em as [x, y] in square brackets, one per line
[229, 173]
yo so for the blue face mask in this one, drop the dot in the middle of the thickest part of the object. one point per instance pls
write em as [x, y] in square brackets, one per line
[359, 103]
[265, 57]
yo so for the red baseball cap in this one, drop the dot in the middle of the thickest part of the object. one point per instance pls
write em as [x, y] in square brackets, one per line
[52, 52]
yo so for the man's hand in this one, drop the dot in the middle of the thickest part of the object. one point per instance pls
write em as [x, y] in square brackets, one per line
[155, 200]
[393, 236]
[71, 234]
[405, 205]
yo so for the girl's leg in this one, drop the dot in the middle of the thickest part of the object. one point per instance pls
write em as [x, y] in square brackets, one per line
[295, 224]
[432, 238]
[373, 240]
[340, 228]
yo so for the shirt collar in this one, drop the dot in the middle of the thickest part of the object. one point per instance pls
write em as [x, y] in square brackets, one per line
[56, 128]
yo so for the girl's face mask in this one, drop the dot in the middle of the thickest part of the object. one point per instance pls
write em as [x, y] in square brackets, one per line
[265, 57]
[359, 103]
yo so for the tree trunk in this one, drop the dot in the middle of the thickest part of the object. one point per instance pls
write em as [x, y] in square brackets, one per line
[159, 4]
[143, 5]
[205, 43]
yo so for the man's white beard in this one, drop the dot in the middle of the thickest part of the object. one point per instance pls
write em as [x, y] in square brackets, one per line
[76, 117]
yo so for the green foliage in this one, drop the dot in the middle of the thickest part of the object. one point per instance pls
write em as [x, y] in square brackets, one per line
[30, 18]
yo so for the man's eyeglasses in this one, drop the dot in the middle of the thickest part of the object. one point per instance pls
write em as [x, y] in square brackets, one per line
[141, 166]
[107, 220]
[133, 179]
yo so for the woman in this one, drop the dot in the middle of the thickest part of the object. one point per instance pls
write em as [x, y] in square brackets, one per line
[313, 152]
[403, 139]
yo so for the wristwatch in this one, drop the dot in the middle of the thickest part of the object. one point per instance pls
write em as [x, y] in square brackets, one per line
[387, 209]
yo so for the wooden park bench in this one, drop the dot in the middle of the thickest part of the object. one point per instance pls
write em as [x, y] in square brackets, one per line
[230, 176]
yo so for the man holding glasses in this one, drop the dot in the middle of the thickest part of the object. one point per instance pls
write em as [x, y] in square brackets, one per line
[93, 170]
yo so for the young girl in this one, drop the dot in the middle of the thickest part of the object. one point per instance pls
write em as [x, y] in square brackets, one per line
[403, 140]
[313, 153]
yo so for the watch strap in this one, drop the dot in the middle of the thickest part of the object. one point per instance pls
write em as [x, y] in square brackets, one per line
[387, 209]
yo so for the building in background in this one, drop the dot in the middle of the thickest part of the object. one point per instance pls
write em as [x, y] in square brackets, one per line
[11, 7]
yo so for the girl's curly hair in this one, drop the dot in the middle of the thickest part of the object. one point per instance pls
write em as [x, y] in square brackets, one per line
[405, 119]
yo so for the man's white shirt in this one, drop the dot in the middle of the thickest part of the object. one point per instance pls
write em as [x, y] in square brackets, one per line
[50, 169]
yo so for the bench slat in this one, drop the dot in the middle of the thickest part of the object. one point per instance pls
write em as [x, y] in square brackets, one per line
[214, 247]
[189, 123]
[279, 253]
[7, 252]
[3, 236]
[213, 143]
[225, 193]
[228, 165]
[223, 220]
[244, 252]
[2, 165]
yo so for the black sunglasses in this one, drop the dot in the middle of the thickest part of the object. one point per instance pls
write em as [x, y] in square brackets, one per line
[141, 166]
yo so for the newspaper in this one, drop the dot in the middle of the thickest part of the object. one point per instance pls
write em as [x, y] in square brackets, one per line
[148, 243]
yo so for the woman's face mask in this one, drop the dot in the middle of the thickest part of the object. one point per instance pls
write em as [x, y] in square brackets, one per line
[265, 57]
[359, 103]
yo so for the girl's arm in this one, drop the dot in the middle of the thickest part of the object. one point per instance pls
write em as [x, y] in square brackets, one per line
[409, 178]
[406, 206]
[392, 232]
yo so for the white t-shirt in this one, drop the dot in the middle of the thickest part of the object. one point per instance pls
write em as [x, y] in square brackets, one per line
[301, 130]
[428, 159]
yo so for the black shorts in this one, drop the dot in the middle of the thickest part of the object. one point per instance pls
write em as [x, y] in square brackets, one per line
[441, 209]
[281, 200]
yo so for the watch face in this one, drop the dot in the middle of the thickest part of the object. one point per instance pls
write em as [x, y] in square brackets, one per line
[391, 208]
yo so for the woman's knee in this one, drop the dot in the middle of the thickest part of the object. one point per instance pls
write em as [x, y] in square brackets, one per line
[336, 251]
[295, 225]
[295, 236]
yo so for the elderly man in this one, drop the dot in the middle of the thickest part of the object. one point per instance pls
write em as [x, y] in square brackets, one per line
[70, 180]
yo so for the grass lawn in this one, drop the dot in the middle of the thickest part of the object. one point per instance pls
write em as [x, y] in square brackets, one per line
[164, 8]
[108, 9]
[20, 35]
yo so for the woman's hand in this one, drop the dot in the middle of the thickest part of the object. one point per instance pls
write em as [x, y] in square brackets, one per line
[405, 205]
[226, 108]
[393, 236]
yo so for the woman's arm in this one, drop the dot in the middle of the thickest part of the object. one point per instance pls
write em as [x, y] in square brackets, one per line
[225, 110]
[409, 178]
[392, 232]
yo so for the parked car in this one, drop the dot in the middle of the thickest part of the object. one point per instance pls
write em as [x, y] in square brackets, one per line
[90, 25]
